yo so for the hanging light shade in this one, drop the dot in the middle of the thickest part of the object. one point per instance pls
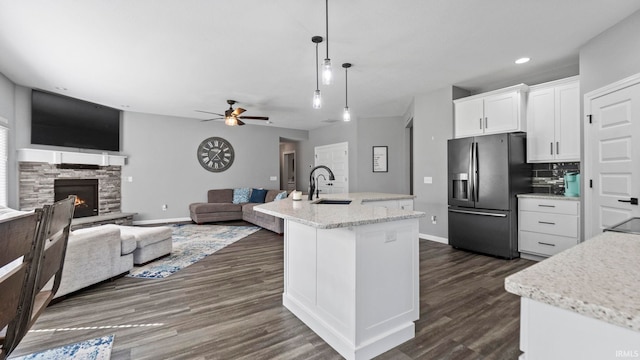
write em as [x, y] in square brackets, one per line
[346, 114]
[231, 121]
[317, 97]
[327, 73]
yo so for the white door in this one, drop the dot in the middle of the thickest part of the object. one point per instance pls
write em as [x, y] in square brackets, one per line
[336, 157]
[540, 125]
[468, 118]
[501, 113]
[612, 157]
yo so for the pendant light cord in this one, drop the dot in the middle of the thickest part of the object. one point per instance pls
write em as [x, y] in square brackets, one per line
[327, 25]
[317, 82]
[346, 89]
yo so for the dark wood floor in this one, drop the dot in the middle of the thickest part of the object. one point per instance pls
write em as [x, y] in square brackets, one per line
[229, 306]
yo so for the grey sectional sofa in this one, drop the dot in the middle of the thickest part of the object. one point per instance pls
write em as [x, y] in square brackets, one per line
[220, 207]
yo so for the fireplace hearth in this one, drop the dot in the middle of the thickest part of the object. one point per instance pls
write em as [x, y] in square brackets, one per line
[86, 192]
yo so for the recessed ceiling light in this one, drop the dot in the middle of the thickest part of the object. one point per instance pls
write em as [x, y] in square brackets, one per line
[61, 88]
[125, 106]
[522, 60]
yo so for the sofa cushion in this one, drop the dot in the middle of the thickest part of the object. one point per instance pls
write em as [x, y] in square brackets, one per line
[257, 196]
[201, 208]
[220, 196]
[128, 244]
[271, 195]
[280, 196]
[241, 195]
[145, 236]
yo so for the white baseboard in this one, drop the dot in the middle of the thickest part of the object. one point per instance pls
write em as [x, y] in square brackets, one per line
[434, 238]
[160, 221]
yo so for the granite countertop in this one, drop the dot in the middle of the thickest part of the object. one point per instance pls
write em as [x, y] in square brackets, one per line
[599, 278]
[335, 216]
[549, 196]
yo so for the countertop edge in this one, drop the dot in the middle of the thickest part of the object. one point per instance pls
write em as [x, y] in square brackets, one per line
[548, 197]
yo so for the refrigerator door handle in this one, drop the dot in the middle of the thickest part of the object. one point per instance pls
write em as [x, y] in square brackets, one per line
[476, 179]
[477, 213]
[471, 187]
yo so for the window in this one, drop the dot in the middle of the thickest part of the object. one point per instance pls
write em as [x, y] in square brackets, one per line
[4, 144]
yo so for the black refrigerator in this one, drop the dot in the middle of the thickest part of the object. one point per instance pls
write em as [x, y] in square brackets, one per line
[485, 175]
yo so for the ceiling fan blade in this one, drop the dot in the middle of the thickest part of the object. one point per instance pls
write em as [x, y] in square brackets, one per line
[212, 119]
[254, 117]
[240, 122]
[238, 111]
[208, 112]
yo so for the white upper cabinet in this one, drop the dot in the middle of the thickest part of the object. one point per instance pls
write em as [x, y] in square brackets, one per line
[494, 112]
[553, 121]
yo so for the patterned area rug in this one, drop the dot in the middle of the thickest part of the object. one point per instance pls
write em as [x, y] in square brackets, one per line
[192, 243]
[94, 349]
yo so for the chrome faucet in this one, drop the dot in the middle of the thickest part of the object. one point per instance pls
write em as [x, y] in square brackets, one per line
[312, 181]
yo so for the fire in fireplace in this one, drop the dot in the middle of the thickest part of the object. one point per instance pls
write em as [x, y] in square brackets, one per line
[86, 192]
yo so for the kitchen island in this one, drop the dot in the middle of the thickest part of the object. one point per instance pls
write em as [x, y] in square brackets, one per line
[351, 271]
[583, 303]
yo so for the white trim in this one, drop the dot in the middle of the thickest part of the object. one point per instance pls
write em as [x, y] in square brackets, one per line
[67, 157]
[160, 221]
[434, 238]
[621, 84]
[588, 150]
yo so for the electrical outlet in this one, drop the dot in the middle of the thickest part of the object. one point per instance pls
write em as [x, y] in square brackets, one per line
[164, 207]
[273, 178]
[428, 180]
[434, 219]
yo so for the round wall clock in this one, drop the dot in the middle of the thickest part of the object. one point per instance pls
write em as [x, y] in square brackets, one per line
[215, 154]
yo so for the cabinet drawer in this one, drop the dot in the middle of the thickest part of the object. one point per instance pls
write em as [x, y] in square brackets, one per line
[554, 224]
[543, 244]
[569, 207]
[406, 204]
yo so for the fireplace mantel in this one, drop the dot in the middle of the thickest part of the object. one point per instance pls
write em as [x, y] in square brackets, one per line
[67, 157]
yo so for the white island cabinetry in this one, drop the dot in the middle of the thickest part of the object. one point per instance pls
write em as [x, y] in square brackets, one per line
[351, 272]
[583, 303]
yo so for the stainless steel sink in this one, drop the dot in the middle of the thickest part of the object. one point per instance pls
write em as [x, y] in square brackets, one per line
[332, 202]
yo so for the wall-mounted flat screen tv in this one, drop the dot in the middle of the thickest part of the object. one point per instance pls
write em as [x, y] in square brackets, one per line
[64, 121]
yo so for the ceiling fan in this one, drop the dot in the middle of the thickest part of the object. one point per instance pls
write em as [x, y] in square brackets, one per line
[232, 116]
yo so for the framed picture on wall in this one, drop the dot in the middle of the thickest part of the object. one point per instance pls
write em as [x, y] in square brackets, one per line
[380, 161]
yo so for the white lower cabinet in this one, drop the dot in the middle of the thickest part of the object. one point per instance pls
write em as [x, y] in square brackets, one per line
[402, 204]
[547, 226]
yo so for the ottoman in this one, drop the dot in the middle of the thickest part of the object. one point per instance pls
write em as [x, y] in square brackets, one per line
[151, 242]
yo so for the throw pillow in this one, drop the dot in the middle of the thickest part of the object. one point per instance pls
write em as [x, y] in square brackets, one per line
[241, 195]
[257, 196]
[280, 196]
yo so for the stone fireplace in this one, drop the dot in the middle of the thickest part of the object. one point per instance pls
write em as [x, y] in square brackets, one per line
[38, 181]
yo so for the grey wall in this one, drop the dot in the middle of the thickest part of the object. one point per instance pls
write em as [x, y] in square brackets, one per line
[388, 132]
[432, 127]
[162, 162]
[611, 56]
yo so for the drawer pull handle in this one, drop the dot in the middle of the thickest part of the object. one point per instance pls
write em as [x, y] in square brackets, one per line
[546, 222]
[543, 205]
[543, 243]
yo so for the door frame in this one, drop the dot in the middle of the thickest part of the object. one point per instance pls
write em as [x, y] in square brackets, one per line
[588, 132]
[284, 181]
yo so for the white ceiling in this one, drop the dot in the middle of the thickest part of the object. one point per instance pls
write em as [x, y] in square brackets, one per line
[173, 57]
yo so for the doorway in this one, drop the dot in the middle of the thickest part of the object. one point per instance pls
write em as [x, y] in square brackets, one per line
[288, 179]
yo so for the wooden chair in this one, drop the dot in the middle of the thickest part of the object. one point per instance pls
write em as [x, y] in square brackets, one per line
[18, 252]
[52, 239]
[43, 282]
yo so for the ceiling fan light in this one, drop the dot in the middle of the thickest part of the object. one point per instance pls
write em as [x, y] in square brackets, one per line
[327, 73]
[346, 114]
[231, 121]
[317, 99]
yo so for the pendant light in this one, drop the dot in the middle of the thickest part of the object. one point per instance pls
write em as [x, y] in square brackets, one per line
[317, 98]
[327, 73]
[346, 114]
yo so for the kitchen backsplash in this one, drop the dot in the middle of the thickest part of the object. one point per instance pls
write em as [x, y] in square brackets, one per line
[548, 178]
